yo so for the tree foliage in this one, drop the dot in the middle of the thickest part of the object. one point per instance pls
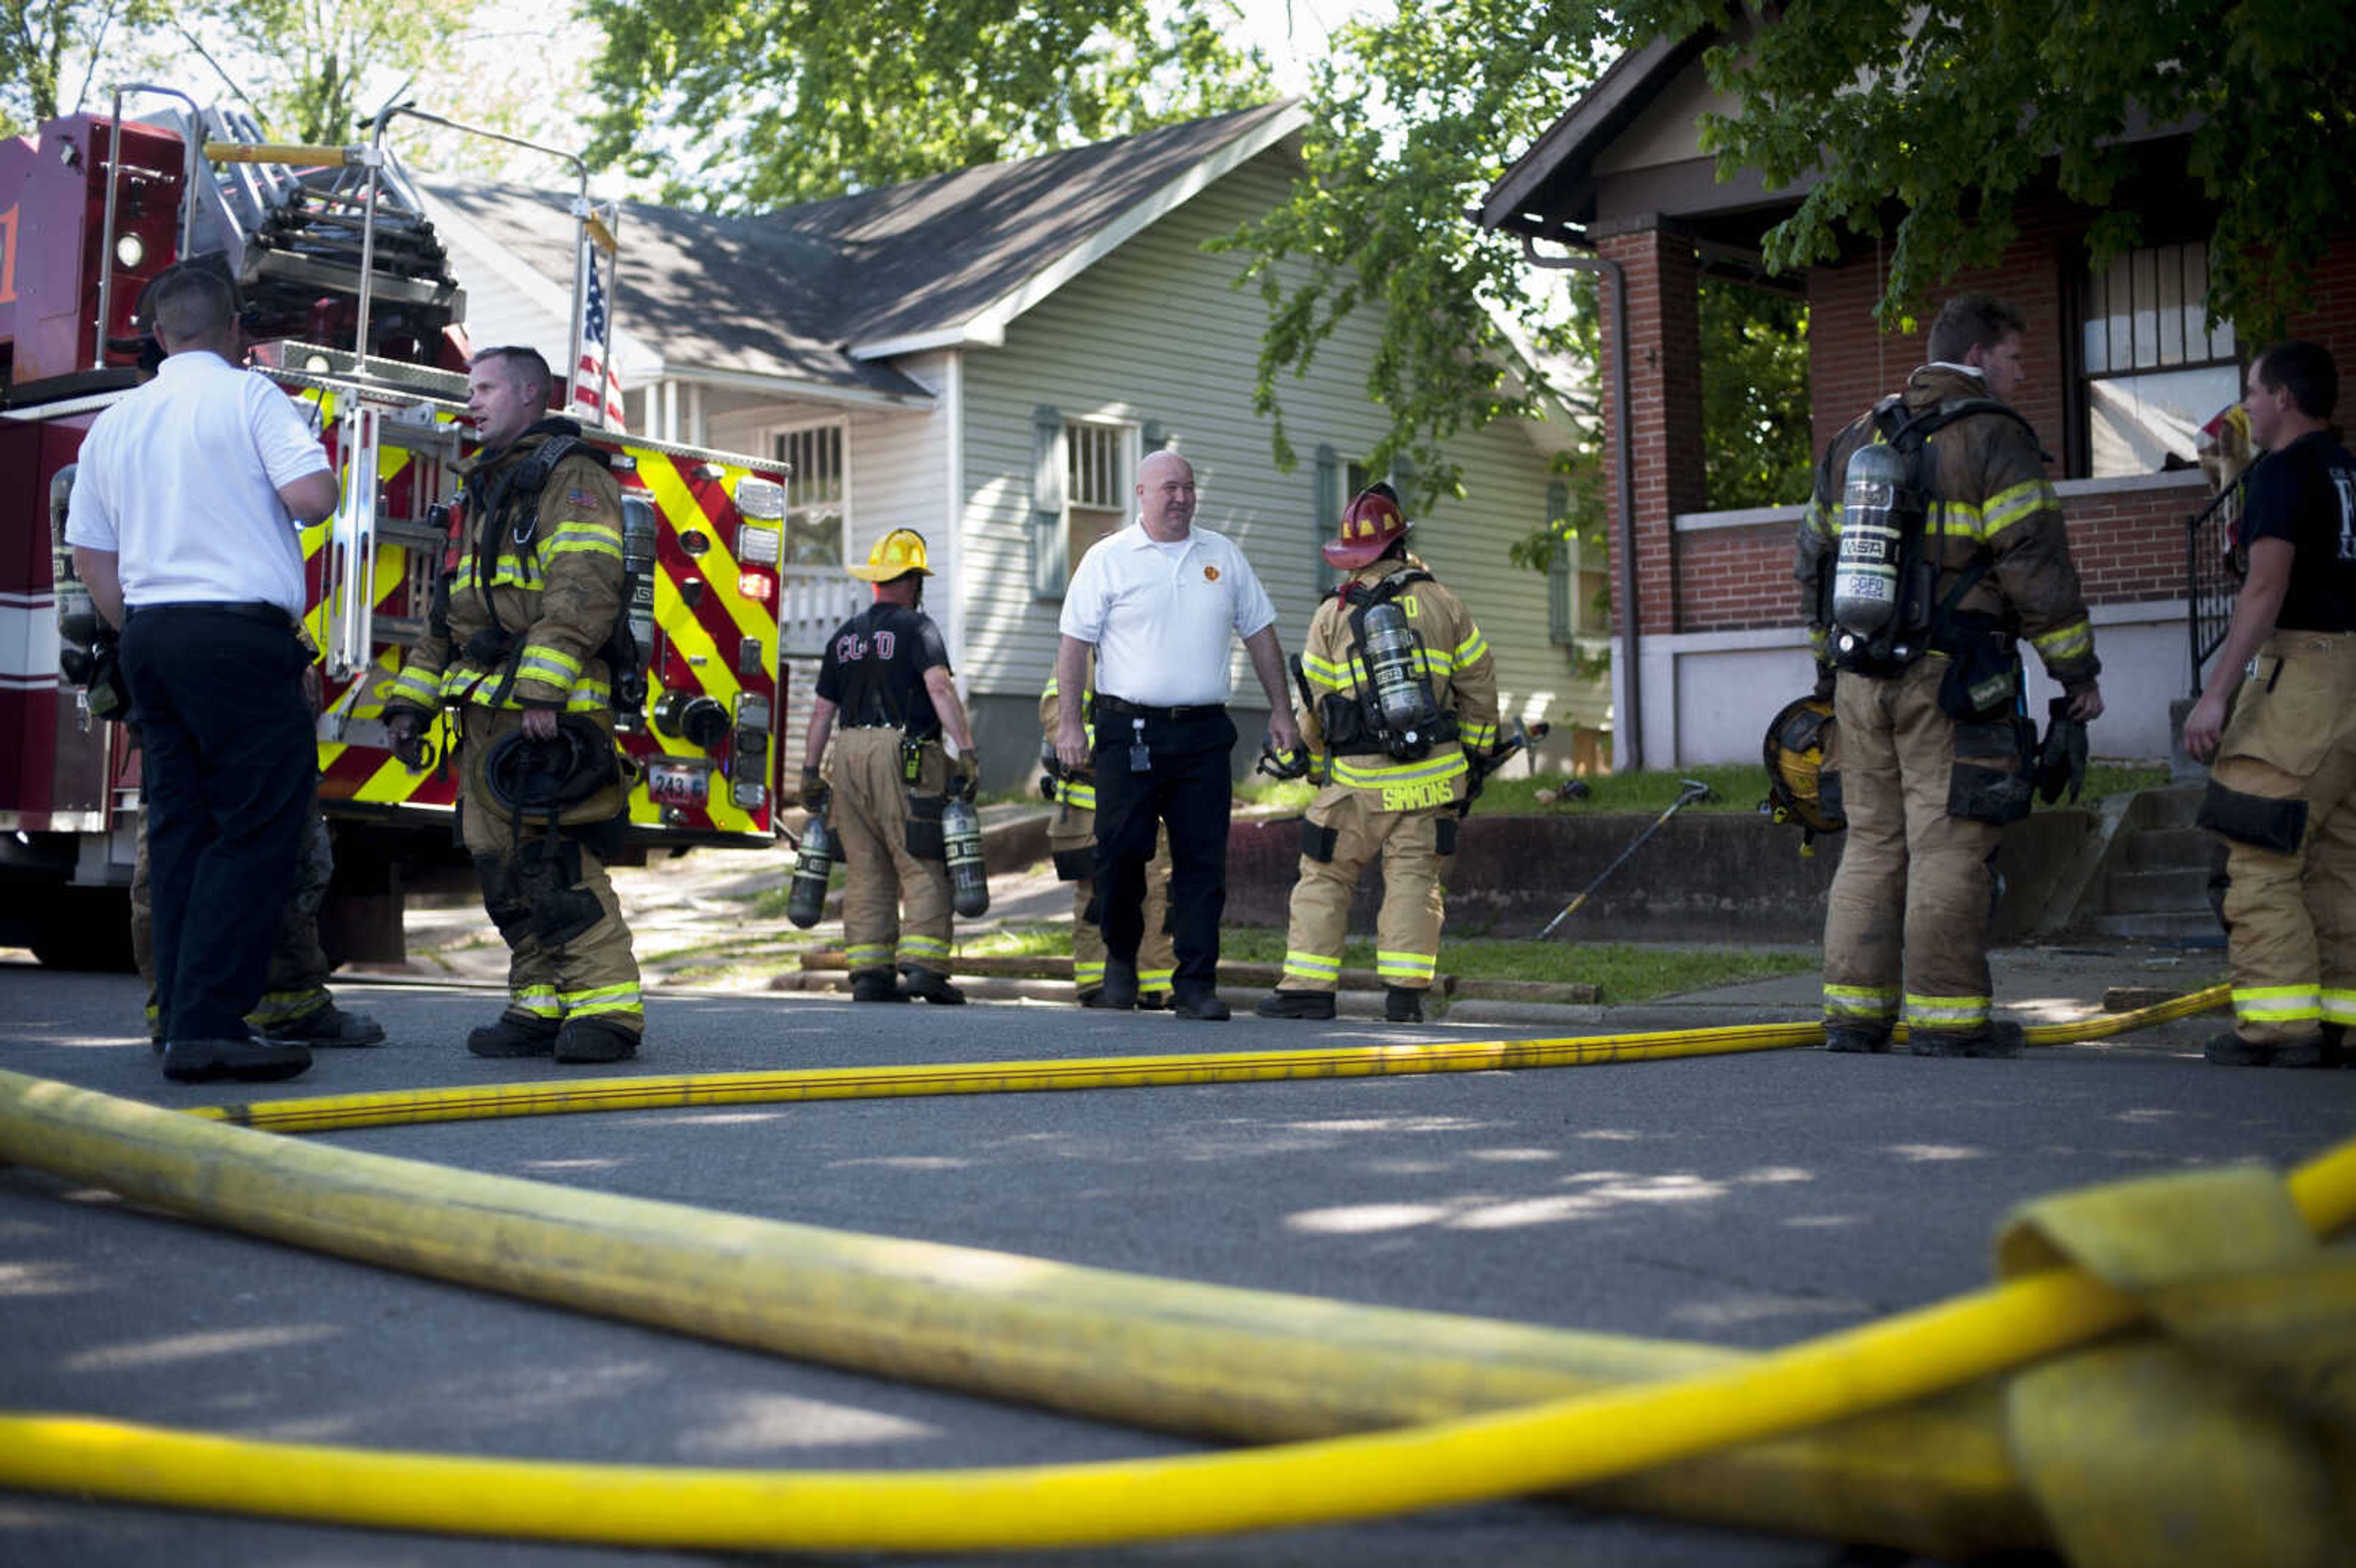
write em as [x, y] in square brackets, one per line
[777, 102]
[1924, 122]
[1953, 109]
[320, 67]
[49, 50]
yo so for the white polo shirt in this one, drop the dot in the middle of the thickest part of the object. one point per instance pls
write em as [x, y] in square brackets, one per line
[1161, 615]
[180, 479]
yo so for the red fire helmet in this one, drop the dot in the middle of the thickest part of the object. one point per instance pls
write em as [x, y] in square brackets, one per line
[1369, 526]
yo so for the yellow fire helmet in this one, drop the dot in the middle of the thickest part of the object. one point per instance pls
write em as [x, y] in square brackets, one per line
[1800, 788]
[896, 554]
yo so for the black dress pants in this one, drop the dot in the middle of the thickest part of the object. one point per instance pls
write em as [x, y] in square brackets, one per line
[229, 770]
[1188, 787]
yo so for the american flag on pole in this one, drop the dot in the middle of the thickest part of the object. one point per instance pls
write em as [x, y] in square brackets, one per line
[597, 390]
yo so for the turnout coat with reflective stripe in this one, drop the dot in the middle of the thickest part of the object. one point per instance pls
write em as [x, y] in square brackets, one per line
[557, 589]
[1463, 679]
[1993, 496]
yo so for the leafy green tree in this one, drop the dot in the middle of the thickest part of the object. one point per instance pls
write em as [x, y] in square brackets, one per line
[752, 104]
[1924, 123]
[1754, 395]
[320, 67]
[42, 43]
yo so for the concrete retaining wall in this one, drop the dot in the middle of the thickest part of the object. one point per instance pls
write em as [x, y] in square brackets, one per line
[1714, 877]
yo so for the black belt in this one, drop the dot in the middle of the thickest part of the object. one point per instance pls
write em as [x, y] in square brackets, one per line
[1113, 705]
[241, 609]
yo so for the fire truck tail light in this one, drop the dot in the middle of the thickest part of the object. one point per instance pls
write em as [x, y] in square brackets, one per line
[758, 546]
[761, 498]
[757, 586]
[130, 250]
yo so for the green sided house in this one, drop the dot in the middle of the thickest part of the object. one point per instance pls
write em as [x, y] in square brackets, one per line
[985, 357]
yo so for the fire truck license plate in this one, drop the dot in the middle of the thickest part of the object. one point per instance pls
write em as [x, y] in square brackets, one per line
[677, 783]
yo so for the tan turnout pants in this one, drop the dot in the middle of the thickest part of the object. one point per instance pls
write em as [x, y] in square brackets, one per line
[2290, 914]
[1909, 909]
[1406, 932]
[895, 905]
[1157, 960]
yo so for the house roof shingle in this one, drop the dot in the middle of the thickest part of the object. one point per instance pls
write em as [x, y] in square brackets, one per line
[792, 293]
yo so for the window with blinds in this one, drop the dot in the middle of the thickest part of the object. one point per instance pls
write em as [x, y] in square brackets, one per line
[816, 495]
[2151, 369]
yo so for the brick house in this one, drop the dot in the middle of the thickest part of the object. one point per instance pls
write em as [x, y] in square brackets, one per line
[2121, 374]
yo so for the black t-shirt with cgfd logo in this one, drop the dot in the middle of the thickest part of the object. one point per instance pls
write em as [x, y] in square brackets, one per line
[2306, 494]
[875, 668]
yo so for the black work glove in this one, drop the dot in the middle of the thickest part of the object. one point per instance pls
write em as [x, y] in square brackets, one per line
[813, 792]
[965, 768]
[405, 728]
[2062, 757]
[1826, 679]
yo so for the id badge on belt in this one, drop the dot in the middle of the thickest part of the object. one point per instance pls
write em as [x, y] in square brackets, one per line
[1141, 757]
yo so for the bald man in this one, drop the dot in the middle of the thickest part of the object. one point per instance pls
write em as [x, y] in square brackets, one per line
[1157, 603]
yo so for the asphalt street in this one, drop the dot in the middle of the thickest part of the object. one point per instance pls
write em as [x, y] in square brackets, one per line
[1750, 1200]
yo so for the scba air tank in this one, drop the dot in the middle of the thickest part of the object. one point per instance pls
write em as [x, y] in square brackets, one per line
[1865, 574]
[1402, 694]
[813, 868]
[638, 540]
[961, 838]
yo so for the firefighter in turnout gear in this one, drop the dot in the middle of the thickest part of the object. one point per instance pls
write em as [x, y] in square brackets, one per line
[1933, 543]
[2278, 716]
[1072, 840]
[1401, 690]
[529, 609]
[886, 675]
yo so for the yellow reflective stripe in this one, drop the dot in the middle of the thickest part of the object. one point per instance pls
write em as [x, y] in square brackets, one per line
[2338, 1006]
[540, 1001]
[867, 954]
[1818, 636]
[1313, 966]
[1325, 672]
[1078, 795]
[593, 539]
[1822, 520]
[1480, 735]
[1087, 972]
[1409, 965]
[1948, 1011]
[410, 686]
[591, 696]
[2073, 641]
[285, 1007]
[2277, 1004]
[1155, 980]
[1960, 519]
[1350, 771]
[540, 656]
[1470, 648]
[1872, 1002]
[912, 947]
[2010, 506]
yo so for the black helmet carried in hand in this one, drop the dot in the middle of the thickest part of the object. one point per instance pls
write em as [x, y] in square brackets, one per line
[573, 780]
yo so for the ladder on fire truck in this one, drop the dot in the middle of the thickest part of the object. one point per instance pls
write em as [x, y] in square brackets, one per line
[351, 222]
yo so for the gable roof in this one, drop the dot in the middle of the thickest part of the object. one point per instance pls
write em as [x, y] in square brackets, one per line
[1553, 180]
[823, 294]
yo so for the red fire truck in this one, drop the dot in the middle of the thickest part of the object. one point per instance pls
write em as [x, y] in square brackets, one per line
[349, 298]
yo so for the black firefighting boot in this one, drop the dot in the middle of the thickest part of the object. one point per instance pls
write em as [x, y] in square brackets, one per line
[1283, 1004]
[876, 986]
[1119, 984]
[329, 1025]
[594, 1040]
[1997, 1040]
[514, 1035]
[2230, 1049]
[1402, 1005]
[1858, 1039]
[921, 984]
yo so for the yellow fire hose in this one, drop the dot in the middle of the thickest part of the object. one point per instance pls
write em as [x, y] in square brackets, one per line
[744, 1279]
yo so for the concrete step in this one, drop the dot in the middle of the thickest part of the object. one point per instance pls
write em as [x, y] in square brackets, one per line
[2179, 930]
[2171, 805]
[2171, 892]
[2166, 848]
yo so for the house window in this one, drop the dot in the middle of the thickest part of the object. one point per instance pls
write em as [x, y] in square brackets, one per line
[1095, 486]
[816, 495]
[2152, 372]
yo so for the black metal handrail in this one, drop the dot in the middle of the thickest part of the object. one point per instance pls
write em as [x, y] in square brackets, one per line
[2213, 573]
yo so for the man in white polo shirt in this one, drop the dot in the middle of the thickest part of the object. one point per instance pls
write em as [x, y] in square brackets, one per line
[183, 523]
[1158, 603]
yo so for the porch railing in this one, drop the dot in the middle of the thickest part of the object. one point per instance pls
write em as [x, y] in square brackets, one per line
[2213, 573]
[812, 601]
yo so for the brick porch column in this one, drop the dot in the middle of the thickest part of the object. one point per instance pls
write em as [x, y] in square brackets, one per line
[1664, 409]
